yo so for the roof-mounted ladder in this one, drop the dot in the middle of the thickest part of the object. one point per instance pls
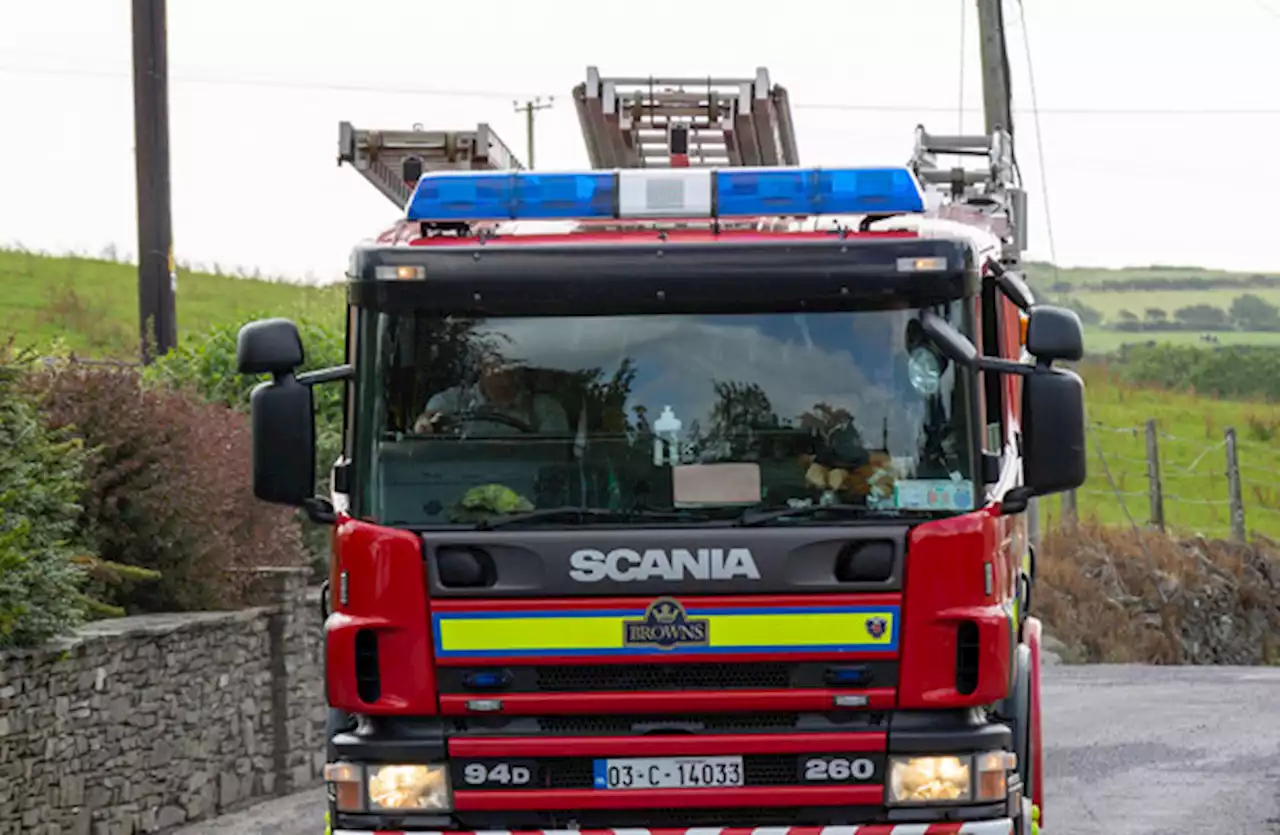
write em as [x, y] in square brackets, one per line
[682, 122]
[393, 160]
[988, 195]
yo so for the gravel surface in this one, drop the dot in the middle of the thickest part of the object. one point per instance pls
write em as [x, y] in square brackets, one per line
[1130, 750]
[1153, 750]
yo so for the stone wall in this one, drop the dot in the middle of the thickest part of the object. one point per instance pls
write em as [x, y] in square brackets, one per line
[143, 723]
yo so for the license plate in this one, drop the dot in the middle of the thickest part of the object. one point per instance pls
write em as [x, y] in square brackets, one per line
[668, 773]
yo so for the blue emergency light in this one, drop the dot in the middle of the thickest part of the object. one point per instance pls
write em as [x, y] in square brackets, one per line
[663, 193]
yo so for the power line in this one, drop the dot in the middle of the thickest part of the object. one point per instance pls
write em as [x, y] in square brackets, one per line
[1035, 111]
[508, 95]
[1053, 111]
[275, 83]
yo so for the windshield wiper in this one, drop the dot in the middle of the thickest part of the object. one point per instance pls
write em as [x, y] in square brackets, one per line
[752, 518]
[584, 515]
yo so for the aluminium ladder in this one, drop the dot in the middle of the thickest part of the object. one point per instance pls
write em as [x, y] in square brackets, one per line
[988, 195]
[685, 122]
[393, 160]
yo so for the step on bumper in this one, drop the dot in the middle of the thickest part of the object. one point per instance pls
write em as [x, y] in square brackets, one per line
[1002, 826]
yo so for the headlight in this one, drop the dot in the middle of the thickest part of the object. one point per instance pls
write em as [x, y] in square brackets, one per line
[409, 787]
[401, 788]
[929, 779]
[950, 779]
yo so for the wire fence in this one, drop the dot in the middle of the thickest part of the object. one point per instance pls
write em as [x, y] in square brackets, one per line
[1221, 488]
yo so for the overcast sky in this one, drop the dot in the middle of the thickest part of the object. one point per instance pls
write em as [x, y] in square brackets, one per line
[1160, 119]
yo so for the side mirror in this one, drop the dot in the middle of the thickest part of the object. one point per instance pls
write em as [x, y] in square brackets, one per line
[284, 447]
[269, 346]
[1054, 457]
[1054, 333]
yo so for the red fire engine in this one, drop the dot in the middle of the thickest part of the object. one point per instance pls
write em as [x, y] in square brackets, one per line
[686, 497]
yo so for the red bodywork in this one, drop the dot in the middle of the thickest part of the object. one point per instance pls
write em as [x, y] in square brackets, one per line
[959, 569]
[945, 583]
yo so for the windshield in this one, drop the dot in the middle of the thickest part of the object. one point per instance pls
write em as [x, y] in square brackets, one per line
[467, 420]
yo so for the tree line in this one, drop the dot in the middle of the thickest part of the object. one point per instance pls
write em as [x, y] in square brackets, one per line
[1247, 312]
[1232, 372]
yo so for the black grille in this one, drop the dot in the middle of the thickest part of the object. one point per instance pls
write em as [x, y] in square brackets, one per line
[605, 724]
[722, 722]
[645, 676]
[633, 677]
[757, 770]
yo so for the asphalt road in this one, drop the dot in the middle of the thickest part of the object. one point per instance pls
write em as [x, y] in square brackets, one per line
[1129, 751]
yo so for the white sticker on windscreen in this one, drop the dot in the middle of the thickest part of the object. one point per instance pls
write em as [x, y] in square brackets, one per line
[932, 494]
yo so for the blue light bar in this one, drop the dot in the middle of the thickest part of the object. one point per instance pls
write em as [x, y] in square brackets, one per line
[458, 196]
[744, 192]
[818, 191]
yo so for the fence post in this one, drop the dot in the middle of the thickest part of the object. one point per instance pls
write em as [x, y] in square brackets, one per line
[1155, 490]
[1069, 510]
[1234, 492]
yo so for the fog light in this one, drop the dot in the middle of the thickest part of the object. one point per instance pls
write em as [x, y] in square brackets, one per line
[410, 788]
[930, 779]
[348, 786]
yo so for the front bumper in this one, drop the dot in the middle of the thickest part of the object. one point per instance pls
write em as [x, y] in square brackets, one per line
[1001, 826]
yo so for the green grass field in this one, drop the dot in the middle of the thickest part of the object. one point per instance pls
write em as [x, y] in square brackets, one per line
[1103, 341]
[1135, 301]
[92, 305]
[1192, 453]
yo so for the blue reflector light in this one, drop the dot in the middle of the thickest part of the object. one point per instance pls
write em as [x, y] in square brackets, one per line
[835, 191]
[512, 196]
[847, 675]
[486, 679]
[746, 192]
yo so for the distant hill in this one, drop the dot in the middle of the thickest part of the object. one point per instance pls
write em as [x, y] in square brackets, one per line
[1049, 278]
[92, 304]
[1165, 304]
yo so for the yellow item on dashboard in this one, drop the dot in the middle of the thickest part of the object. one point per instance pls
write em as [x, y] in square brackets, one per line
[487, 499]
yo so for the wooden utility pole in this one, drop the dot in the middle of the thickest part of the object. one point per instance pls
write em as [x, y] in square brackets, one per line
[1155, 489]
[997, 107]
[530, 109]
[995, 67]
[158, 321]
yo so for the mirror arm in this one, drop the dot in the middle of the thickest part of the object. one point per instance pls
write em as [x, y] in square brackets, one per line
[327, 375]
[1004, 366]
[320, 511]
[1016, 500]
[1011, 284]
